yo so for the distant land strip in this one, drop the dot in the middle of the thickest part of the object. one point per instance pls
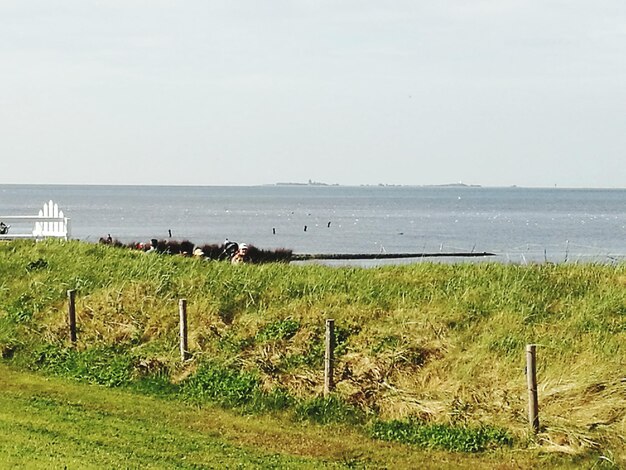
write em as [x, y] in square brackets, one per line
[342, 256]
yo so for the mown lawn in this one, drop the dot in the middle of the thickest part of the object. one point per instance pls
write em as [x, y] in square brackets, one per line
[52, 423]
[45, 423]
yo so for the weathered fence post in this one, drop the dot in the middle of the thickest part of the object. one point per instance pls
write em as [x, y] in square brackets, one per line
[329, 358]
[531, 378]
[71, 315]
[182, 309]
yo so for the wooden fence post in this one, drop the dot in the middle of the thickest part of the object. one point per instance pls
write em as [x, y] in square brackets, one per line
[531, 378]
[182, 309]
[329, 357]
[71, 315]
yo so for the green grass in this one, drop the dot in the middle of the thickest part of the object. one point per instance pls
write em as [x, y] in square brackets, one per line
[437, 344]
[328, 410]
[52, 423]
[439, 436]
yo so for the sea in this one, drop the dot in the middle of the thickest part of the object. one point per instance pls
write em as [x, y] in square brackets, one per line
[518, 225]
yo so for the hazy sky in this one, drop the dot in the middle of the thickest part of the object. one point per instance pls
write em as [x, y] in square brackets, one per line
[491, 92]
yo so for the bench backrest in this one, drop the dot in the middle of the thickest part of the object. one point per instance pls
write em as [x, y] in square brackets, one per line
[50, 222]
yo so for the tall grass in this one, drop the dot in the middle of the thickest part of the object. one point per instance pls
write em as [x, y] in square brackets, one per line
[439, 343]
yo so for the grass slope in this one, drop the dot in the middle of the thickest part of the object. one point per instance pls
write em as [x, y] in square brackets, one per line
[52, 423]
[426, 345]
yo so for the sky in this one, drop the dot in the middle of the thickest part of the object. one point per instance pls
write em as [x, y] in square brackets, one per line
[201, 92]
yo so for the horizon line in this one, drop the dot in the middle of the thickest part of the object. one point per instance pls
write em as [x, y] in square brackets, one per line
[321, 185]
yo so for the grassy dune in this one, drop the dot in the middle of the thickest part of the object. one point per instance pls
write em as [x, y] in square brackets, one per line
[427, 354]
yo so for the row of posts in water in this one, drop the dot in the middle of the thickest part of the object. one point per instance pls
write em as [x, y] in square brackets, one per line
[329, 355]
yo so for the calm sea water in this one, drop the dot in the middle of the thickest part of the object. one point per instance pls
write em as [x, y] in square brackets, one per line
[519, 224]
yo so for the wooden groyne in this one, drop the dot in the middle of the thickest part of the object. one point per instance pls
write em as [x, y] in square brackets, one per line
[374, 256]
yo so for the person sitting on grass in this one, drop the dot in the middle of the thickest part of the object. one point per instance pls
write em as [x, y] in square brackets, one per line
[241, 256]
[230, 249]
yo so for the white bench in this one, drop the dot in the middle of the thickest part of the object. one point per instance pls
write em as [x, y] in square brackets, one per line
[50, 223]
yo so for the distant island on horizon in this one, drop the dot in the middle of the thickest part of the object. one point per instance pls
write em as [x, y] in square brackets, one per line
[309, 183]
[383, 185]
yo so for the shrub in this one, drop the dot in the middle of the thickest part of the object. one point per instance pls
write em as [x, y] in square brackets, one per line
[224, 386]
[103, 366]
[278, 330]
[441, 436]
[328, 410]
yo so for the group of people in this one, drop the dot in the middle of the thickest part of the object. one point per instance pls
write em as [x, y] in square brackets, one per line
[237, 253]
